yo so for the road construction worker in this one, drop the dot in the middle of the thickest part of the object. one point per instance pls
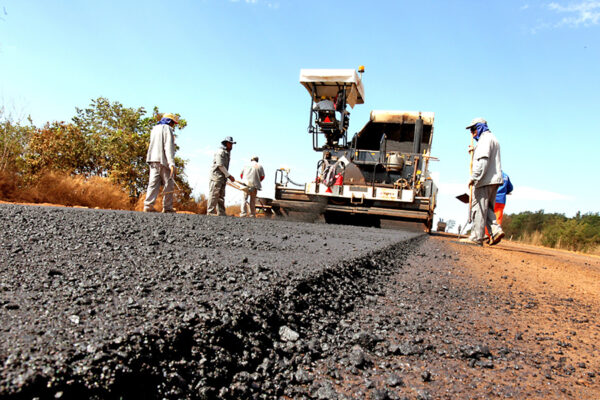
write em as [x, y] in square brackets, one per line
[486, 178]
[504, 189]
[327, 121]
[252, 175]
[161, 158]
[218, 178]
[327, 162]
[325, 104]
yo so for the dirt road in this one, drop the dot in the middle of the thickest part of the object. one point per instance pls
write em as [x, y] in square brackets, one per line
[456, 321]
[102, 304]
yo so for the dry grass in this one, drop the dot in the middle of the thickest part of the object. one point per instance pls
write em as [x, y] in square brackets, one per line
[196, 206]
[9, 186]
[233, 210]
[67, 190]
[95, 192]
[64, 189]
[536, 237]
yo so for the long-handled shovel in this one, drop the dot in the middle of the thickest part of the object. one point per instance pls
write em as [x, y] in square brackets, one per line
[468, 197]
[239, 186]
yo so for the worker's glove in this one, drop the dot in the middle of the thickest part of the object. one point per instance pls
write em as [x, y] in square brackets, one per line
[231, 178]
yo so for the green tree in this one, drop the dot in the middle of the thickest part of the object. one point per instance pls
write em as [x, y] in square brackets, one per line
[106, 125]
[580, 233]
[118, 139]
[59, 147]
[13, 142]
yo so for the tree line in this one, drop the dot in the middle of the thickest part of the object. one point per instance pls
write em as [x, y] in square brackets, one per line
[579, 233]
[105, 139]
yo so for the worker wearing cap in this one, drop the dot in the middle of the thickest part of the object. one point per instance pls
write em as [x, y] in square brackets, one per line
[325, 104]
[327, 120]
[218, 178]
[486, 177]
[251, 176]
[161, 159]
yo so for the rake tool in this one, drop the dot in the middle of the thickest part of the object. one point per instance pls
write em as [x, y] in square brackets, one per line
[175, 190]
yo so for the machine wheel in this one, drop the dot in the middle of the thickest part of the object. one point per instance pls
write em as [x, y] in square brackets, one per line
[428, 225]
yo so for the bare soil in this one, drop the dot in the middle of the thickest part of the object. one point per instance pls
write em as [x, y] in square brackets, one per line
[457, 321]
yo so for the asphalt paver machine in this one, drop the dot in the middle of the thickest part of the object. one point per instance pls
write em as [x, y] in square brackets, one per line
[379, 178]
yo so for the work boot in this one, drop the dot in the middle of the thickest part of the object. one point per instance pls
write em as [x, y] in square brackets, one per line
[470, 241]
[495, 239]
[168, 211]
[149, 209]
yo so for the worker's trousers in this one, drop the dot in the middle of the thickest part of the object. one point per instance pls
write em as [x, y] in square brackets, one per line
[499, 211]
[216, 197]
[159, 175]
[482, 212]
[249, 204]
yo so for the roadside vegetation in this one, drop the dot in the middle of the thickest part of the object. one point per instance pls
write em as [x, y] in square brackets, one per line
[98, 159]
[580, 233]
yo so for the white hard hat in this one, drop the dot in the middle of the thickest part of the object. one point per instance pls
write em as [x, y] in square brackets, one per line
[476, 121]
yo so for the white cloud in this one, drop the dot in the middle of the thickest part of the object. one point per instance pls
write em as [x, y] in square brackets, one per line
[524, 6]
[529, 193]
[585, 13]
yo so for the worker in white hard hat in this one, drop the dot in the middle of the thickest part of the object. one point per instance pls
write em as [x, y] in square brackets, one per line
[161, 159]
[218, 178]
[486, 178]
[252, 175]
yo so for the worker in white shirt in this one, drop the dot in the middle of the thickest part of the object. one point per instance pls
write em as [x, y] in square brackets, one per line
[252, 175]
[161, 159]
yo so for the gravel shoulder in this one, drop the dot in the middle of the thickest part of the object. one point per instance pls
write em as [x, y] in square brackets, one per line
[457, 321]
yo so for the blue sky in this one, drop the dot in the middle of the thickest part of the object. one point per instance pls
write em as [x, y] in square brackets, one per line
[531, 68]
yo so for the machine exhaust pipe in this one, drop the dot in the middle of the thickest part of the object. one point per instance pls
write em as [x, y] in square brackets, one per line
[418, 135]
